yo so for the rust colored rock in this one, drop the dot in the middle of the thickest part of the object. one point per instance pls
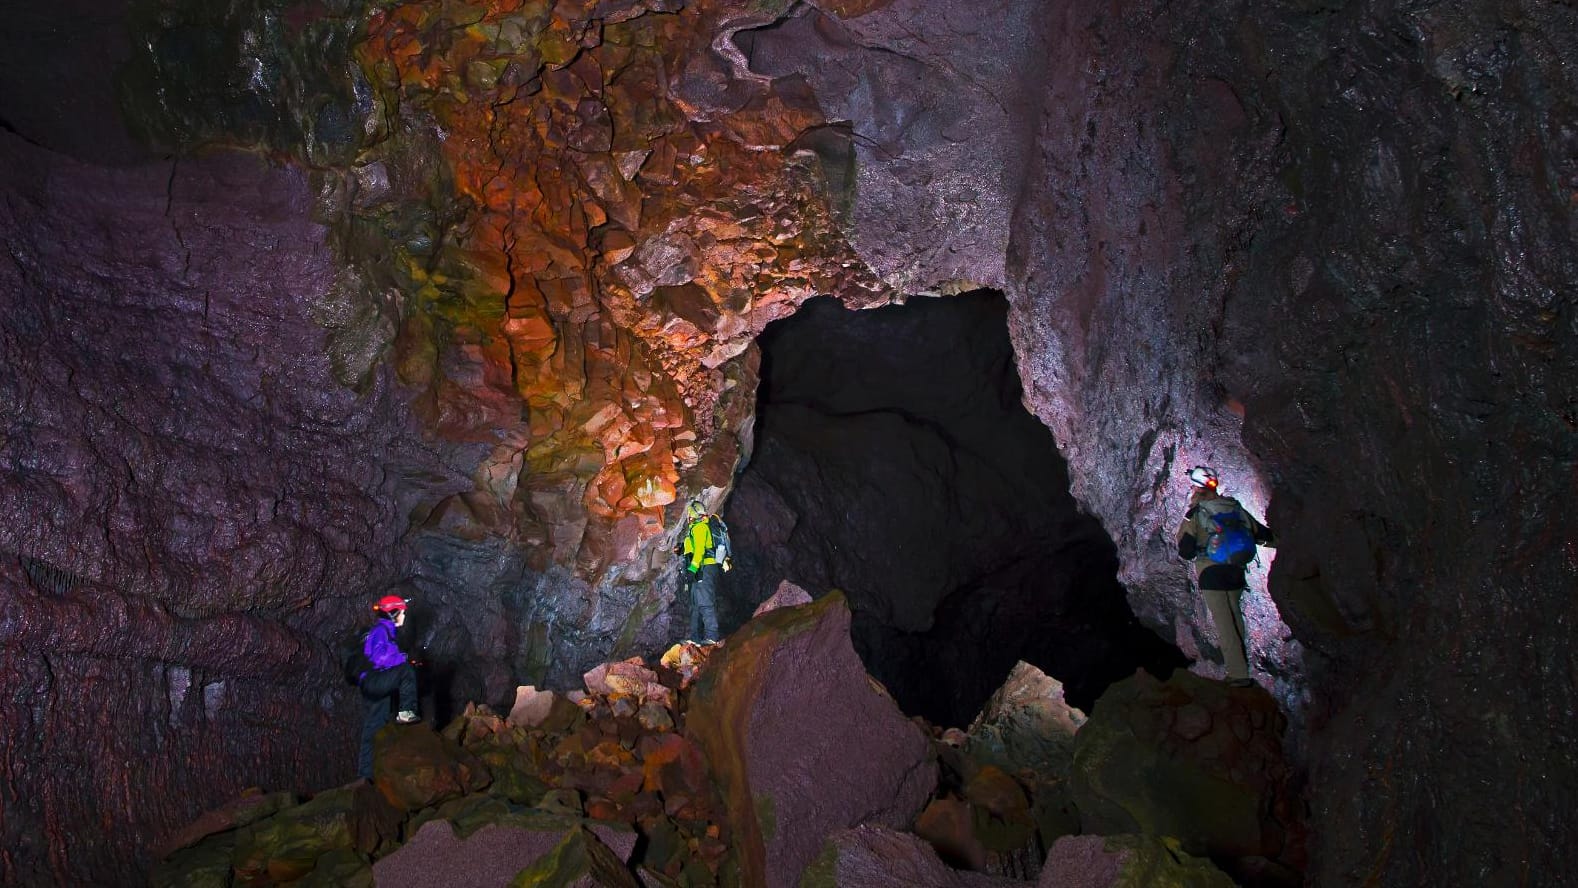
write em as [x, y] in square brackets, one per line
[801, 742]
[1165, 759]
[414, 767]
[948, 825]
[532, 706]
[875, 857]
[633, 275]
[787, 595]
[686, 660]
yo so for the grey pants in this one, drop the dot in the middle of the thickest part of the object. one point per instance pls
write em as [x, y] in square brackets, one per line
[1228, 614]
[704, 604]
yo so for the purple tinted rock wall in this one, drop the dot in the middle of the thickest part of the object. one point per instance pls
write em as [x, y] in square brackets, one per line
[1349, 228]
[1330, 249]
[196, 503]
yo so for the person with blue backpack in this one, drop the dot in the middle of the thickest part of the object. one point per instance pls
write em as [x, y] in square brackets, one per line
[381, 671]
[1220, 536]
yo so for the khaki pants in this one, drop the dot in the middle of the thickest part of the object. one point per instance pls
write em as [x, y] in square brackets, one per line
[1227, 613]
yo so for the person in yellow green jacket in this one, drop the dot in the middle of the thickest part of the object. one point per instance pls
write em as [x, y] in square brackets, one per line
[702, 569]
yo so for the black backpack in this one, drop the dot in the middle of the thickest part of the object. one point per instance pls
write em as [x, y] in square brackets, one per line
[720, 539]
[352, 652]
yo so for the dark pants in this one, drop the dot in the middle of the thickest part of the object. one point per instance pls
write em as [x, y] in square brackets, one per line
[378, 689]
[704, 603]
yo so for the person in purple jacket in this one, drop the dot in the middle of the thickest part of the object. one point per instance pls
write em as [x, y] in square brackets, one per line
[390, 672]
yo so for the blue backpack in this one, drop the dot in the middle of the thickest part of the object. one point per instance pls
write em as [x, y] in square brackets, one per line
[1228, 537]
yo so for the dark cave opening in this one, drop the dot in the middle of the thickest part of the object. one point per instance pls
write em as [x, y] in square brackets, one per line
[895, 461]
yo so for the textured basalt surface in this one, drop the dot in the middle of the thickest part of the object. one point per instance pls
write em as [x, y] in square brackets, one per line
[490, 313]
[194, 495]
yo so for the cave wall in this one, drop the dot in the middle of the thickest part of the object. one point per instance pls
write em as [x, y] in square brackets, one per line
[1325, 246]
[1328, 248]
[194, 501]
[1348, 225]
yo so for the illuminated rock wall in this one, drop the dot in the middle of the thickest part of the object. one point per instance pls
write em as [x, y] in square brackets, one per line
[489, 318]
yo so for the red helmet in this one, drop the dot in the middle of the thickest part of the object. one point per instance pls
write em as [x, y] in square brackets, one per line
[390, 604]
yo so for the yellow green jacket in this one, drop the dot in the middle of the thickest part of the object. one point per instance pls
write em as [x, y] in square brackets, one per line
[698, 546]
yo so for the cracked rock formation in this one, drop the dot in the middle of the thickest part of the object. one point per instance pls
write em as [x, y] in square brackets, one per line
[305, 300]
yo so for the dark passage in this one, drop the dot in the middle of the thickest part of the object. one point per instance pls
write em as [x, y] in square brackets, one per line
[895, 461]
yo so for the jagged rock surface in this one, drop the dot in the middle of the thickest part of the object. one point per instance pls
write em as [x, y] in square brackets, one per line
[1325, 246]
[1196, 760]
[490, 856]
[802, 742]
[1120, 861]
[873, 857]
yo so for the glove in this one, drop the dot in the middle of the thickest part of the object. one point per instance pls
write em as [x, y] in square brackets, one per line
[728, 565]
[693, 568]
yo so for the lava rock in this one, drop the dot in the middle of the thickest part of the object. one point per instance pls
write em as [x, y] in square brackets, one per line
[491, 855]
[415, 768]
[1027, 725]
[252, 805]
[531, 706]
[579, 860]
[1119, 861]
[288, 845]
[801, 741]
[874, 857]
[1191, 758]
[787, 595]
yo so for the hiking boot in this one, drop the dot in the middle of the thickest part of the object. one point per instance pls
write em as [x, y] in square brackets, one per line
[406, 717]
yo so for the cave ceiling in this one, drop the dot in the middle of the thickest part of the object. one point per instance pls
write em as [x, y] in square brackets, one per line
[563, 223]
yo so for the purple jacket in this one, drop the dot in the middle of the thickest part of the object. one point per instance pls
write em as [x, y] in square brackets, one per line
[380, 646]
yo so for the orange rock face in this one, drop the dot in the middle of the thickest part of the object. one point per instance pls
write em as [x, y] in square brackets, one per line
[620, 215]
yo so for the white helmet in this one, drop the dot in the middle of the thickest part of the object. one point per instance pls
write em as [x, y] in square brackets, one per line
[1204, 477]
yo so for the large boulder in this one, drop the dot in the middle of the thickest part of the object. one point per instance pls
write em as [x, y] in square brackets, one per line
[786, 595]
[1191, 758]
[287, 846]
[415, 768]
[579, 860]
[204, 865]
[873, 857]
[1123, 861]
[250, 806]
[1027, 725]
[802, 742]
[493, 855]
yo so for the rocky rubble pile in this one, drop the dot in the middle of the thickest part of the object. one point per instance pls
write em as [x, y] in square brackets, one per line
[774, 760]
